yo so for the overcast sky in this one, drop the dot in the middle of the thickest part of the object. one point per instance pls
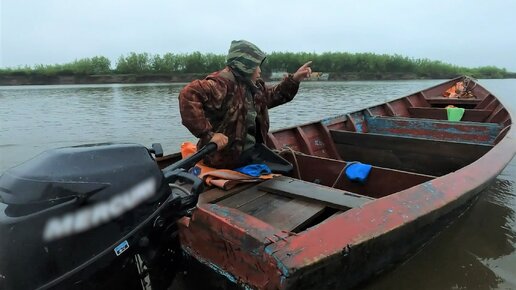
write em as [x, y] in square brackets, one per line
[467, 33]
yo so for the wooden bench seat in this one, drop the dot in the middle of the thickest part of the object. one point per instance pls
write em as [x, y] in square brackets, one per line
[380, 182]
[443, 102]
[440, 130]
[471, 115]
[432, 157]
[296, 188]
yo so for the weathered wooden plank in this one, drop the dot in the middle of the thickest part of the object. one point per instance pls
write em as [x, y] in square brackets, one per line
[380, 182]
[242, 198]
[485, 102]
[319, 140]
[305, 142]
[471, 132]
[283, 212]
[293, 215]
[215, 195]
[296, 188]
[408, 144]
[471, 115]
[451, 101]
[264, 204]
[411, 154]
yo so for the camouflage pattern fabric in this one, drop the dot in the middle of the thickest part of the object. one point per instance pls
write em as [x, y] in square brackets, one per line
[244, 57]
[217, 104]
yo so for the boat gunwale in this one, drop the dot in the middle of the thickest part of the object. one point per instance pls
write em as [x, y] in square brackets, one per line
[304, 252]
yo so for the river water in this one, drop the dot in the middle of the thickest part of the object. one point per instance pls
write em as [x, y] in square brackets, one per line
[476, 252]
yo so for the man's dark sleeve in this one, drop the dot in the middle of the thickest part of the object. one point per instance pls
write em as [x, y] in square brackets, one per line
[281, 93]
[192, 102]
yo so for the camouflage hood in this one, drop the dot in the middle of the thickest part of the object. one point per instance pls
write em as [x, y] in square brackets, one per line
[244, 57]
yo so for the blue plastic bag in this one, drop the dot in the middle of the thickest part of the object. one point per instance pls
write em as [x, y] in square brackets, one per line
[254, 169]
[356, 171]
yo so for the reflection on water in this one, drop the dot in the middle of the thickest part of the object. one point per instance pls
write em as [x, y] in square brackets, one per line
[35, 118]
[476, 252]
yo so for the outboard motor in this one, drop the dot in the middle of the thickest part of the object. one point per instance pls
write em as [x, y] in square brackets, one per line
[89, 217]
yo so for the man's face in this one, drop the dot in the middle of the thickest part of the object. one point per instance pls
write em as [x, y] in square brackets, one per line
[256, 75]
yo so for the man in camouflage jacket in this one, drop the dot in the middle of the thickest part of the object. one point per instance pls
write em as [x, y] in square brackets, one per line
[230, 107]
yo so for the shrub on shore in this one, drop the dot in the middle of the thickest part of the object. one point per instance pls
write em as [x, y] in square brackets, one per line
[337, 63]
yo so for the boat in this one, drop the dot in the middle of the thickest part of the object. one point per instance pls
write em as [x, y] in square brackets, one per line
[430, 155]
[357, 194]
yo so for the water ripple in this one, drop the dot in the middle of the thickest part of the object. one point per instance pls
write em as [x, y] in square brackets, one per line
[35, 118]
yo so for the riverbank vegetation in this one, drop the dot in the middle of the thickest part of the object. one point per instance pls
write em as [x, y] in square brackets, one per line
[340, 66]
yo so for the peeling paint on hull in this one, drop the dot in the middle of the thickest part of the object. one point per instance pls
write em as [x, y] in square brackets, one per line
[345, 249]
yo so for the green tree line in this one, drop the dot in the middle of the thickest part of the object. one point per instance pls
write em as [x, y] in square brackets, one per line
[361, 64]
[86, 66]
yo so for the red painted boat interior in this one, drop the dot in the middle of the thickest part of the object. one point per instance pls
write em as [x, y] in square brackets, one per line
[408, 141]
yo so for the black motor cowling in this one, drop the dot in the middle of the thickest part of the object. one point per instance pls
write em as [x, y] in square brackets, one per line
[70, 212]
